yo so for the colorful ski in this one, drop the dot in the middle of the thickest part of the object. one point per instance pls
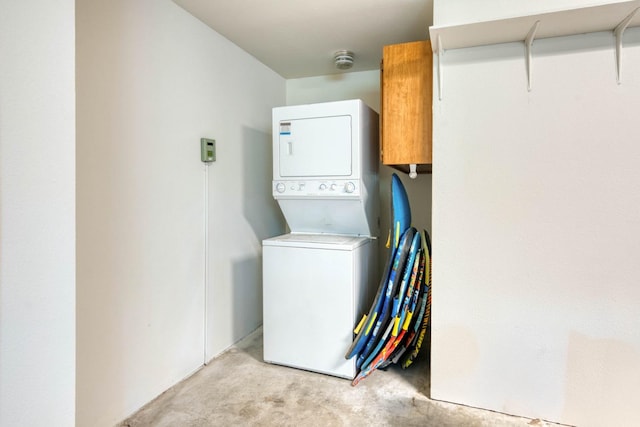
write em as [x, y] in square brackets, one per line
[389, 342]
[396, 299]
[391, 288]
[412, 351]
[410, 317]
[401, 220]
[382, 357]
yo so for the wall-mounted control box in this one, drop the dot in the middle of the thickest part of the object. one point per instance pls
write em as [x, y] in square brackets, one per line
[207, 150]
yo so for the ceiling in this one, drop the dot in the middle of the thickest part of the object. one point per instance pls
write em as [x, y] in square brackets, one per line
[298, 38]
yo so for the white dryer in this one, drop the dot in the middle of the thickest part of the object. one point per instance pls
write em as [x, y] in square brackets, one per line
[325, 167]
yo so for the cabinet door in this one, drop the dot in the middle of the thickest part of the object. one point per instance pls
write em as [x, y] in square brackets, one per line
[406, 80]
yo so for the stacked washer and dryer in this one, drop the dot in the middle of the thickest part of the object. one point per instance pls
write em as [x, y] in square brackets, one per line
[319, 279]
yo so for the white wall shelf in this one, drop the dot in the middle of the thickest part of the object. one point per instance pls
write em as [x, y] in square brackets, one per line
[552, 24]
[615, 17]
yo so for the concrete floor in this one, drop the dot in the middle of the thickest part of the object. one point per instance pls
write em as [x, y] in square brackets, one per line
[239, 389]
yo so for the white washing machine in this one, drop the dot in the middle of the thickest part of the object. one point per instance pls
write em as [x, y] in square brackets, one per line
[316, 288]
[318, 279]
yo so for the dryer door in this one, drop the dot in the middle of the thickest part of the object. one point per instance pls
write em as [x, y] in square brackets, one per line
[319, 146]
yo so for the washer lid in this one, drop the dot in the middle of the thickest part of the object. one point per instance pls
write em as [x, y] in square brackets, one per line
[318, 241]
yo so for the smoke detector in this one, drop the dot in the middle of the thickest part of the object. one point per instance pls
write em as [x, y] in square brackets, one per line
[343, 59]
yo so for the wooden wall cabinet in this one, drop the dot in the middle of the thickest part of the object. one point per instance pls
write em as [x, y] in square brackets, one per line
[406, 86]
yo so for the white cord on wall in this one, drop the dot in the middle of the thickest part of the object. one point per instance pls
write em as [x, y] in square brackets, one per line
[206, 258]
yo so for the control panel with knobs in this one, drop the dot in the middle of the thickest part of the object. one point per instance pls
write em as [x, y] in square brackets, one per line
[311, 188]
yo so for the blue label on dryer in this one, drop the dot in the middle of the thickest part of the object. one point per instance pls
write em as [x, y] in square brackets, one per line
[285, 128]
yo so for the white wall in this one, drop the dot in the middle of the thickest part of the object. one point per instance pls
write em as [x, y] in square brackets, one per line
[365, 85]
[242, 211]
[151, 81]
[452, 12]
[536, 231]
[37, 213]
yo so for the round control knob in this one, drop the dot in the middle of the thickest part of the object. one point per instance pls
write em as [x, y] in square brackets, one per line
[323, 187]
[333, 187]
[280, 187]
[349, 187]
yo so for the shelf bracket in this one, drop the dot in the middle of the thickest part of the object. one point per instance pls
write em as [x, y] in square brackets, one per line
[439, 68]
[619, 31]
[528, 42]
